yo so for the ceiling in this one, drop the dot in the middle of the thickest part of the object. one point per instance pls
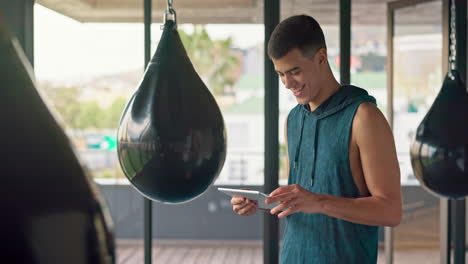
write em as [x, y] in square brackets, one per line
[366, 12]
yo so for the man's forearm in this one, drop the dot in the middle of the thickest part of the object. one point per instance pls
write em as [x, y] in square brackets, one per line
[371, 210]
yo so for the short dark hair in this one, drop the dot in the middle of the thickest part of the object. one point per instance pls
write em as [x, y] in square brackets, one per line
[302, 32]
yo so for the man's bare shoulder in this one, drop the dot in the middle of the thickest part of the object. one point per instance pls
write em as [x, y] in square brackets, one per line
[370, 125]
[367, 110]
[369, 116]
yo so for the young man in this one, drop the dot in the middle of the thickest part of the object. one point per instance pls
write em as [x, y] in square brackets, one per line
[344, 178]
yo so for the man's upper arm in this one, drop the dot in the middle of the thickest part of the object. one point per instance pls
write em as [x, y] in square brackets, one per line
[375, 142]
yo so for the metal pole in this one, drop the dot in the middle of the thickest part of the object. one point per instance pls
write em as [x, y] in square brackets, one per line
[459, 206]
[445, 236]
[388, 231]
[445, 206]
[270, 222]
[147, 215]
[388, 245]
[345, 41]
[458, 229]
[390, 32]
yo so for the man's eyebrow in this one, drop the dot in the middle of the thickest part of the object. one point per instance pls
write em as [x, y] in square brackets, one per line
[290, 70]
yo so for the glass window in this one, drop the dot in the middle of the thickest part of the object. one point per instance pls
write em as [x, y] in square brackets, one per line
[89, 71]
[417, 78]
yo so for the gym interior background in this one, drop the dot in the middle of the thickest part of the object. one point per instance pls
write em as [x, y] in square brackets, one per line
[88, 58]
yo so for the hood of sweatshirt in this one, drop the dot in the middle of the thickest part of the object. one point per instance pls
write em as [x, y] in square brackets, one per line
[345, 96]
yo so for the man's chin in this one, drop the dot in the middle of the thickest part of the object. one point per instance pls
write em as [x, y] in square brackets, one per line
[301, 101]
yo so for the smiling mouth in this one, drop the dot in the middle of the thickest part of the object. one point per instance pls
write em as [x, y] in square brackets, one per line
[297, 92]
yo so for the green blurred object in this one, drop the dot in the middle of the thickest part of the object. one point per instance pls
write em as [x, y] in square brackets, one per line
[111, 142]
[101, 142]
[370, 79]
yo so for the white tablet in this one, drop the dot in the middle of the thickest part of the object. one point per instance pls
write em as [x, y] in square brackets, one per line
[253, 195]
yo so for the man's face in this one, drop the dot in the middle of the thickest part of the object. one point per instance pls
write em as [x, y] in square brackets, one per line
[300, 74]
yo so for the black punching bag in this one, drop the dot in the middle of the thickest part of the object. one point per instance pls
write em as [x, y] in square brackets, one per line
[52, 211]
[171, 137]
[439, 154]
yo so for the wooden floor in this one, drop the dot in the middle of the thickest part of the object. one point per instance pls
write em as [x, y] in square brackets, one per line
[226, 252]
[193, 252]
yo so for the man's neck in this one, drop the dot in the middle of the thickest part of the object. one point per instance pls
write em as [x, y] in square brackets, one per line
[326, 91]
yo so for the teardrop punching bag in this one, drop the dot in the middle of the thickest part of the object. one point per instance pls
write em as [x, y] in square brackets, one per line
[439, 153]
[52, 211]
[171, 139]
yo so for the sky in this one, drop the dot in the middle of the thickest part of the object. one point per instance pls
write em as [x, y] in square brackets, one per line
[66, 49]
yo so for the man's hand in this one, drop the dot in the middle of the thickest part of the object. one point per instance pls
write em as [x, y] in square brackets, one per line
[243, 206]
[293, 199]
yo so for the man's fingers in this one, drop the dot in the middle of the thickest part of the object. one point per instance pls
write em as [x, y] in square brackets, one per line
[282, 206]
[237, 200]
[277, 209]
[287, 188]
[289, 211]
[290, 203]
[250, 208]
[241, 207]
[245, 209]
[282, 189]
[280, 197]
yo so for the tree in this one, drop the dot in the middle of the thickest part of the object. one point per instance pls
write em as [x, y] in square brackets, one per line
[114, 112]
[77, 114]
[64, 102]
[214, 60]
[89, 117]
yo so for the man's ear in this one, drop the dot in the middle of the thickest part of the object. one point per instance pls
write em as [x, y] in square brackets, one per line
[321, 55]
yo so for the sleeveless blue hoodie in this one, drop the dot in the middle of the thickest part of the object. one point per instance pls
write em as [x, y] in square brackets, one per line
[318, 148]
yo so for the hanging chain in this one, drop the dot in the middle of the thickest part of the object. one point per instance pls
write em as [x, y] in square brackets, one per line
[453, 39]
[169, 6]
[170, 12]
